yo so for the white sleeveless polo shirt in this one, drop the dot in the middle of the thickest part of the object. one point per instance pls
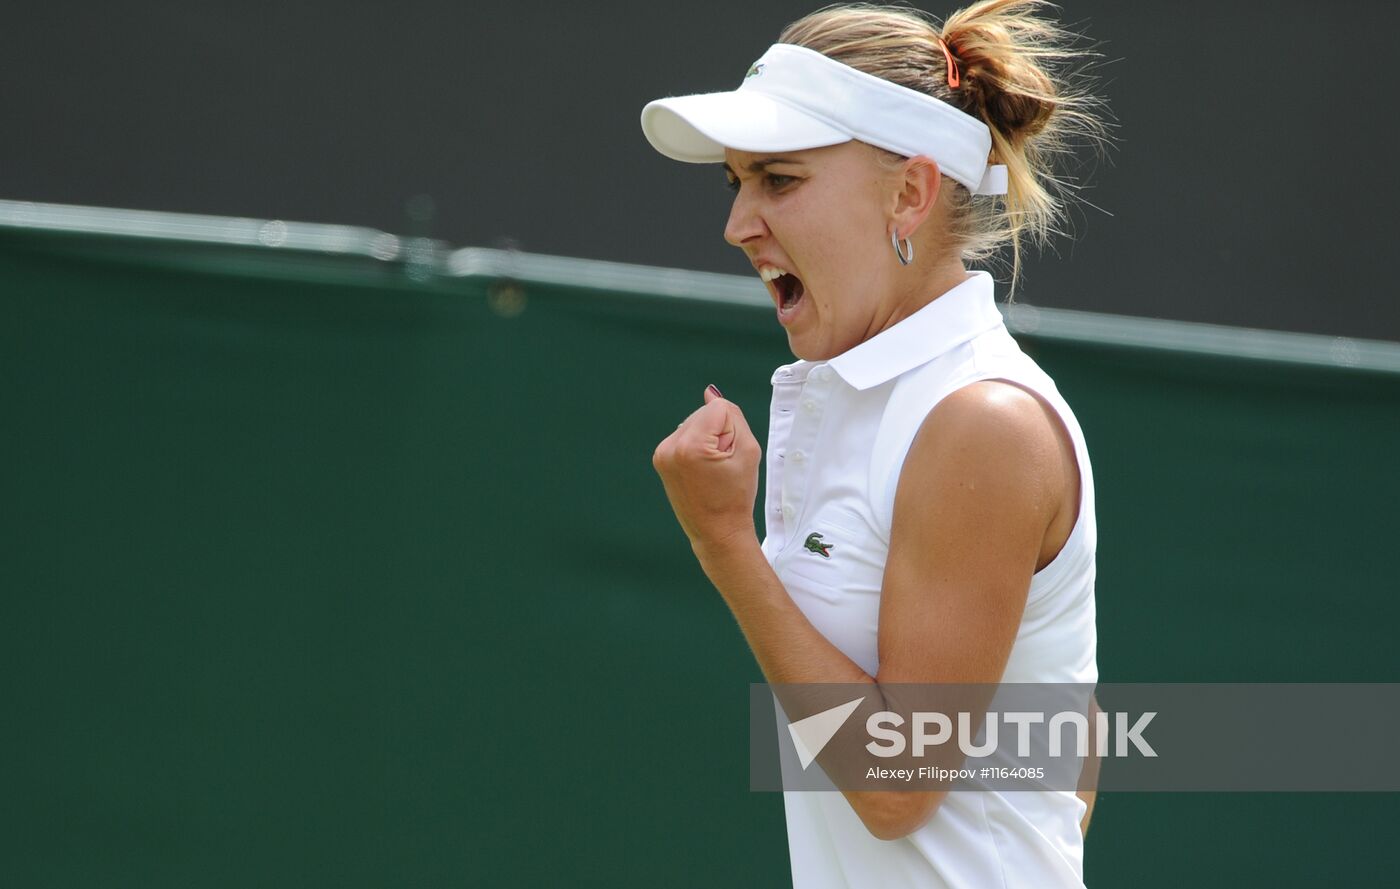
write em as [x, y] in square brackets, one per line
[838, 434]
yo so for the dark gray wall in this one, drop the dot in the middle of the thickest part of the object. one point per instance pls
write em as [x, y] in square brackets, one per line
[1252, 185]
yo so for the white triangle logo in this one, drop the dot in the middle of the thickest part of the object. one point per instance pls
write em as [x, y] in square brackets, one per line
[811, 734]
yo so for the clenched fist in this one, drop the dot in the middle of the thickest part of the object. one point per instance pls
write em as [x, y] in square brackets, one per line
[709, 467]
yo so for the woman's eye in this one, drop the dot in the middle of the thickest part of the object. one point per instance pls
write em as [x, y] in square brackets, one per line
[775, 181]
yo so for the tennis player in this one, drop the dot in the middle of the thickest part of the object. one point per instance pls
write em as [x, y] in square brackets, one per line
[929, 507]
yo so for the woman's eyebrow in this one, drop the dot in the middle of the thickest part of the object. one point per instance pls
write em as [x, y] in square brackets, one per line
[758, 165]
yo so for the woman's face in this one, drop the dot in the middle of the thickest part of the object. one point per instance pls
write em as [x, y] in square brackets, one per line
[822, 216]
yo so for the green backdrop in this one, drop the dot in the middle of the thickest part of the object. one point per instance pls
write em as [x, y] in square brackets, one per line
[332, 563]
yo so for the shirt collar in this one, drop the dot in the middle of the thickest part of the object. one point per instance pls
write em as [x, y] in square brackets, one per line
[948, 321]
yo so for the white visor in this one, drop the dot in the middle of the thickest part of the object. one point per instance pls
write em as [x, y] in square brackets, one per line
[795, 98]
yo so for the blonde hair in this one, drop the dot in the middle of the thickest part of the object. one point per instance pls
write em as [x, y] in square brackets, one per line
[1019, 73]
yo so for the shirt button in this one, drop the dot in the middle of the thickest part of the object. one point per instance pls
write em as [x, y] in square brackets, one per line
[809, 405]
[798, 456]
[821, 374]
[788, 512]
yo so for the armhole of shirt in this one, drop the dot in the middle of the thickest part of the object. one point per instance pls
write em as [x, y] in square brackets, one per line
[1072, 547]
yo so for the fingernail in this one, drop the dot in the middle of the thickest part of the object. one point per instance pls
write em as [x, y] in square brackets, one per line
[715, 389]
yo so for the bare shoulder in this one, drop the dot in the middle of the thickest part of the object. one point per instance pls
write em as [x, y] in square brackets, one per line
[1008, 445]
[995, 424]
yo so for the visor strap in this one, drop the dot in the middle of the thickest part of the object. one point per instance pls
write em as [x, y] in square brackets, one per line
[993, 181]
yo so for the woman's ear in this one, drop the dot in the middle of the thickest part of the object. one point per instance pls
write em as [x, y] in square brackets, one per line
[916, 192]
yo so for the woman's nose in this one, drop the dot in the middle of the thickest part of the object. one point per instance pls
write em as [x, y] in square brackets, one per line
[745, 222]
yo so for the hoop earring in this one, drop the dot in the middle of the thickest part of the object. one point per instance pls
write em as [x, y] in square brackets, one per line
[898, 251]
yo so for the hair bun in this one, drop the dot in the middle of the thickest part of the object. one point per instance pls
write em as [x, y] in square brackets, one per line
[1007, 85]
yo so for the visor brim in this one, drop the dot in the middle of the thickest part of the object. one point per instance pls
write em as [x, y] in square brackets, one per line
[697, 129]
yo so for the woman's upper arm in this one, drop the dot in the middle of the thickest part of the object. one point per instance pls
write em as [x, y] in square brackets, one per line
[979, 487]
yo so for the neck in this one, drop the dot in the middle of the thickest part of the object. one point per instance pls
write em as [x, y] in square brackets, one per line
[922, 287]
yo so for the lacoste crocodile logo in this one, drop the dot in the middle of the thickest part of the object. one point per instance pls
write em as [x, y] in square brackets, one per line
[755, 70]
[814, 544]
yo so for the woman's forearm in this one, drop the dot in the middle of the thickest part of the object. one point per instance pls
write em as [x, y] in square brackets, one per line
[791, 651]
[784, 642]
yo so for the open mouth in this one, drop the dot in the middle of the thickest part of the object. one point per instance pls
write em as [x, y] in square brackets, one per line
[787, 289]
[790, 290]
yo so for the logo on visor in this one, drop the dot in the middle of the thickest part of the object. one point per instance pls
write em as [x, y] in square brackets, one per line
[755, 70]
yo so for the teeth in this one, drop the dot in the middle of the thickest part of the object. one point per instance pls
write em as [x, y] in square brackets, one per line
[771, 273]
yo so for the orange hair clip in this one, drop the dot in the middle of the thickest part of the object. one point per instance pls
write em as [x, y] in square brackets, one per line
[953, 79]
